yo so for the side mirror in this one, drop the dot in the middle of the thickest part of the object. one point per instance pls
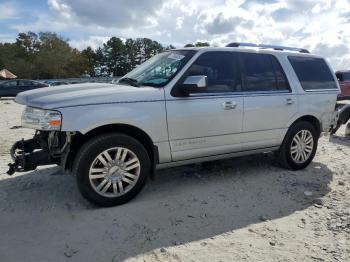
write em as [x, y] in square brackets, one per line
[195, 84]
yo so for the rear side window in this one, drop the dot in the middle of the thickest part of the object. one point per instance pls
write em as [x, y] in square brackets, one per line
[313, 73]
[262, 72]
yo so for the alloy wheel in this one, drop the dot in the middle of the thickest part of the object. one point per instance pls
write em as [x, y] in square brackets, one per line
[114, 172]
[302, 146]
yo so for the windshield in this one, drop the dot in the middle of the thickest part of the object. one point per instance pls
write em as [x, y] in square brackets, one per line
[158, 70]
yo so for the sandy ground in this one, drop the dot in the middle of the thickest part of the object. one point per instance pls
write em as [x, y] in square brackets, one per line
[243, 209]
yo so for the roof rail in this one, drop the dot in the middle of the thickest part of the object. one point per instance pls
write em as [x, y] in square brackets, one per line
[275, 47]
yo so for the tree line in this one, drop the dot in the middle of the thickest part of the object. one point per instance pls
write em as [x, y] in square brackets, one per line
[47, 55]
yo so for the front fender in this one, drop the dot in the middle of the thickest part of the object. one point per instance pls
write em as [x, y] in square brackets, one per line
[148, 116]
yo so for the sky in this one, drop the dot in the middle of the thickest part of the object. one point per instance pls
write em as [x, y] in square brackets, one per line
[321, 26]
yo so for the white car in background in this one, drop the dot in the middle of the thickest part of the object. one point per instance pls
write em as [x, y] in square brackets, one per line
[180, 107]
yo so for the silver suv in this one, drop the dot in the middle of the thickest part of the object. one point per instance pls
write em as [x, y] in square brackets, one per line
[180, 107]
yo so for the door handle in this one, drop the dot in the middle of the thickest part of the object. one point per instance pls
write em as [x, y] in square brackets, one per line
[229, 105]
[289, 101]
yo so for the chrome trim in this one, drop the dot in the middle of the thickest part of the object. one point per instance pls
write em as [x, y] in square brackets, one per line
[229, 105]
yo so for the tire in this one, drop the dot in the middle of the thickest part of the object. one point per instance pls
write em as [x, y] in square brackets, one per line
[114, 180]
[288, 156]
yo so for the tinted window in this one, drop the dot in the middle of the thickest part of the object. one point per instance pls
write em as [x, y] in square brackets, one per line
[346, 76]
[262, 72]
[220, 69]
[313, 73]
[9, 84]
[25, 83]
[281, 80]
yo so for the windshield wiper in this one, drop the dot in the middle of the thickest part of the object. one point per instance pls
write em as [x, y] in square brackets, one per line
[130, 81]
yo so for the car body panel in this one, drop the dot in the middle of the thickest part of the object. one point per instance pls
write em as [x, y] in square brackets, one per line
[87, 94]
[194, 127]
[200, 125]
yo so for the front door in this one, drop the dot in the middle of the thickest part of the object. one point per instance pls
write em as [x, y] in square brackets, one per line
[209, 122]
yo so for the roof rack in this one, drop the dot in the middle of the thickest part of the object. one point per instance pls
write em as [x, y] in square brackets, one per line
[275, 47]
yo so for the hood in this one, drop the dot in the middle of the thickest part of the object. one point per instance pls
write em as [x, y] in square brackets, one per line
[87, 94]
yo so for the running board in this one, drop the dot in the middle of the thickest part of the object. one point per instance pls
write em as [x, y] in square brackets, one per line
[216, 157]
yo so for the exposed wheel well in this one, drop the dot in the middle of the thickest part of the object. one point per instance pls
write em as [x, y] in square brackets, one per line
[312, 120]
[138, 134]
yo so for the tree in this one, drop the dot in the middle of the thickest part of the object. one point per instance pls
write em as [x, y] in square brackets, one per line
[47, 55]
[198, 44]
[114, 51]
[169, 47]
[120, 57]
[90, 60]
[131, 53]
[202, 44]
[56, 59]
[27, 47]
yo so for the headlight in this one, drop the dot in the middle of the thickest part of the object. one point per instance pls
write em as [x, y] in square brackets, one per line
[41, 119]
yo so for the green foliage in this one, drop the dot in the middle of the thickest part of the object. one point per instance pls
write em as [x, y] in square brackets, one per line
[90, 59]
[198, 44]
[117, 57]
[42, 56]
[47, 55]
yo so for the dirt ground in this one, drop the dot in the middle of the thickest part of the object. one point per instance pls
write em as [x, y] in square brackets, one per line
[243, 209]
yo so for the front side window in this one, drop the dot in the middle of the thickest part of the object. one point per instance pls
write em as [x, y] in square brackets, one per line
[262, 72]
[160, 69]
[221, 71]
[313, 73]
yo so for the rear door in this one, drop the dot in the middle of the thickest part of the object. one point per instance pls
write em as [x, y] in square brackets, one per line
[269, 102]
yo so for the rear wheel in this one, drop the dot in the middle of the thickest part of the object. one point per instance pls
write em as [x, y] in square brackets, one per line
[299, 146]
[111, 169]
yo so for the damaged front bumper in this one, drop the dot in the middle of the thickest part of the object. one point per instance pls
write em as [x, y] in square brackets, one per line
[45, 148]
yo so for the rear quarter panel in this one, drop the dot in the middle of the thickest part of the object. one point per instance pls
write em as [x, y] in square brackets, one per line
[317, 103]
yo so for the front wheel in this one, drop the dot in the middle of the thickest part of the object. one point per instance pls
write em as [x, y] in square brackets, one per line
[299, 146]
[111, 169]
